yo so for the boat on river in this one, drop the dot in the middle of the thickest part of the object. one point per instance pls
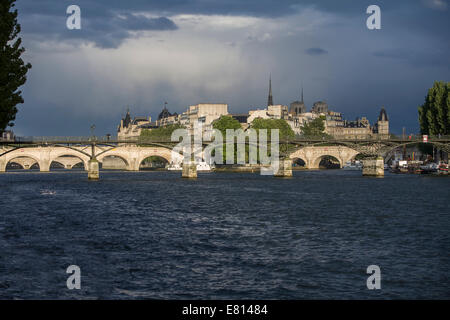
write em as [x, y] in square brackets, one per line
[353, 165]
[201, 167]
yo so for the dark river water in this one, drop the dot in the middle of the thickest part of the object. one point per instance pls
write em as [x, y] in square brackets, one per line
[152, 235]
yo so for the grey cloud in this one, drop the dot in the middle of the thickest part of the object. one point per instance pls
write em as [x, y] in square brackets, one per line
[403, 59]
[139, 23]
[103, 32]
[316, 51]
[102, 14]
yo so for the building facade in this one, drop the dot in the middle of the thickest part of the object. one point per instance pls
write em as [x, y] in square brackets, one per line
[296, 115]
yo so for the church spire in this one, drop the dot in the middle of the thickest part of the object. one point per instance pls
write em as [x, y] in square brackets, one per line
[302, 94]
[270, 99]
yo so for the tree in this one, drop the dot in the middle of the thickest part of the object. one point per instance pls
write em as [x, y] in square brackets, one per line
[222, 124]
[434, 114]
[285, 132]
[12, 68]
[161, 133]
[226, 122]
[315, 128]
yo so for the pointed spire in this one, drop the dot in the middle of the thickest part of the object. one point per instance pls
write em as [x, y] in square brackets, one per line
[302, 93]
[270, 99]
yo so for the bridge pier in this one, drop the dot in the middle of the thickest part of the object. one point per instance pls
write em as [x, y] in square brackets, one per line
[373, 167]
[189, 170]
[284, 169]
[93, 169]
[2, 164]
[44, 166]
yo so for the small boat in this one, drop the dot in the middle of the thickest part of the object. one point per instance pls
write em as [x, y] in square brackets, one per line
[350, 165]
[400, 167]
[174, 167]
[429, 168]
[201, 166]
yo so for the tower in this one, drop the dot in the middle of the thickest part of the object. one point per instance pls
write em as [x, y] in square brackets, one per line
[382, 125]
[270, 99]
[297, 107]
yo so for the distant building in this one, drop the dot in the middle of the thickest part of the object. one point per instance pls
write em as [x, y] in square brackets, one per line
[166, 118]
[296, 115]
[131, 129]
[204, 113]
[320, 107]
[381, 128]
[358, 129]
[272, 112]
[7, 135]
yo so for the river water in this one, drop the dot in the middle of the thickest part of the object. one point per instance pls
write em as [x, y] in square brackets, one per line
[152, 235]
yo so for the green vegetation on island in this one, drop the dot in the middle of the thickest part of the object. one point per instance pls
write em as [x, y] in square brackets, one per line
[315, 128]
[285, 132]
[160, 133]
[224, 123]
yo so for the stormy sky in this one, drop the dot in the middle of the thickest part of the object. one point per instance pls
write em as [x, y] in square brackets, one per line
[142, 53]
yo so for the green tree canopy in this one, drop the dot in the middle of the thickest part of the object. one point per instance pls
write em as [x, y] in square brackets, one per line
[269, 124]
[315, 128]
[434, 114]
[224, 123]
[161, 133]
[12, 68]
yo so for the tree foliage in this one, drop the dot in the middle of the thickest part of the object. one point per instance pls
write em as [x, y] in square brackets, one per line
[163, 133]
[12, 68]
[269, 124]
[224, 123]
[315, 128]
[434, 114]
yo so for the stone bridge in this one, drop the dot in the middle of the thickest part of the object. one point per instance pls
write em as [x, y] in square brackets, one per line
[312, 156]
[91, 153]
[43, 156]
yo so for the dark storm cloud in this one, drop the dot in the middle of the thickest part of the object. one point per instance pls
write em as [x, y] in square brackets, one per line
[316, 51]
[100, 23]
[47, 17]
[403, 58]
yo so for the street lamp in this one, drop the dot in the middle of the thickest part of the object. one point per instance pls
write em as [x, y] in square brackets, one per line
[92, 132]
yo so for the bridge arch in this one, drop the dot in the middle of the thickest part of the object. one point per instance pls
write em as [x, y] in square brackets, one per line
[19, 158]
[114, 162]
[110, 154]
[164, 153]
[161, 161]
[298, 162]
[69, 161]
[14, 161]
[319, 161]
[67, 157]
[313, 155]
[25, 162]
